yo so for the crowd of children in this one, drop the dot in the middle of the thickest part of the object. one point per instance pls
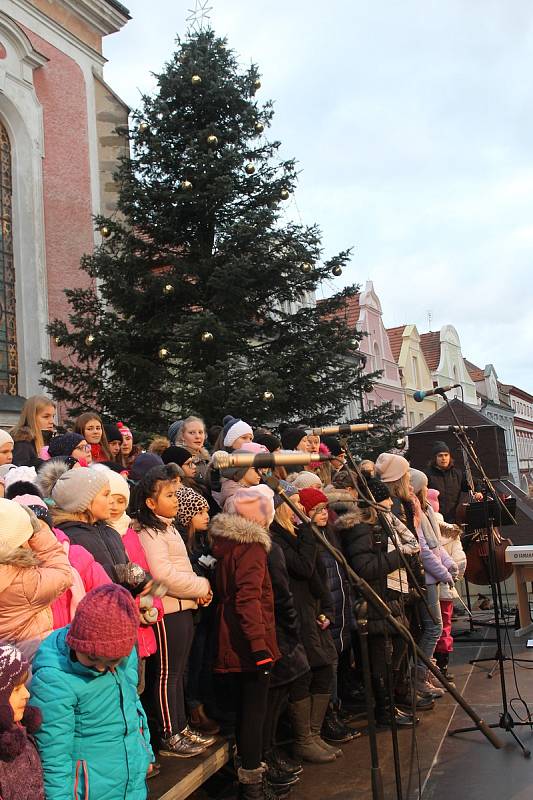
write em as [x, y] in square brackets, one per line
[149, 601]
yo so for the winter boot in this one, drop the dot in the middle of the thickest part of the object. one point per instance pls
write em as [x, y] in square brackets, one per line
[319, 706]
[442, 660]
[334, 730]
[384, 713]
[276, 776]
[422, 684]
[305, 746]
[251, 783]
[201, 722]
[282, 760]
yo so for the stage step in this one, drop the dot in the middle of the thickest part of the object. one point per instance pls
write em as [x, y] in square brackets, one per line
[180, 777]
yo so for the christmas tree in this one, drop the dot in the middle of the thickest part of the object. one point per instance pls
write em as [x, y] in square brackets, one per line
[202, 290]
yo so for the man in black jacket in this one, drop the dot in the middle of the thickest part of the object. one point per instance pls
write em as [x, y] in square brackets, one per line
[449, 480]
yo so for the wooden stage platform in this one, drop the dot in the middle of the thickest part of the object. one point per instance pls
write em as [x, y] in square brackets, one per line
[465, 767]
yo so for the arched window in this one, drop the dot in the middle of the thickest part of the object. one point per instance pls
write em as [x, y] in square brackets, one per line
[8, 325]
[377, 358]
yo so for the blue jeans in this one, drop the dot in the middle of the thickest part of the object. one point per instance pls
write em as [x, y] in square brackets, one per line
[431, 630]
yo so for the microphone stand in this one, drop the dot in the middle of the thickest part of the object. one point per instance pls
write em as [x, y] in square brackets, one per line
[373, 599]
[506, 721]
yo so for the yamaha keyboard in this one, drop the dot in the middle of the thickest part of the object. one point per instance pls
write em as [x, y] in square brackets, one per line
[522, 554]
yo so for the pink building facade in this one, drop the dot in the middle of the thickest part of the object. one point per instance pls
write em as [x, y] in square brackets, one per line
[57, 118]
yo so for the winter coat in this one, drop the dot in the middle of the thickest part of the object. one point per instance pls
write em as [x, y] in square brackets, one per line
[169, 563]
[435, 564]
[454, 548]
[30, 580]
[361, 551]
[87, 574]
[94, 741]
[403, 509]
[21, 774]
[340, 590]
[245, 611]
[146, 636]
[293, 662]
[308, 584]
[102, 541]
[24, 451]
[450, 484]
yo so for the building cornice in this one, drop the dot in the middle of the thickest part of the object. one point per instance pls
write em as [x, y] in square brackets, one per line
[101, 15]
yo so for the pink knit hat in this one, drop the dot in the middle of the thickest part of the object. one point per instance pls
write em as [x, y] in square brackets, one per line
[105, 623]
[255, 504]
[391, 467]
[433, 499]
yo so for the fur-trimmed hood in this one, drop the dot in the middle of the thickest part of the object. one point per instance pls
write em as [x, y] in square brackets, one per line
[340, 500]
[24, 434]
[238, 529]
[347, 521]
[49, 475]
[12, 559]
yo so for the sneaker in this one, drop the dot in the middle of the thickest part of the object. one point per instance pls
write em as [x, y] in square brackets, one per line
[201, 739]
[180, 746]
[427, 689]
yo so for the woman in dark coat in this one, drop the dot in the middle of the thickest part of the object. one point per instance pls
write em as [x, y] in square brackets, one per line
[313, 603]
[380, 566]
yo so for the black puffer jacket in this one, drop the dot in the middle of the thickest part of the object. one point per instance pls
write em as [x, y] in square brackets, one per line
[103, 542]
[308, 584]
[361, 552]
[340, 590]
[293, 662]
[450, 483]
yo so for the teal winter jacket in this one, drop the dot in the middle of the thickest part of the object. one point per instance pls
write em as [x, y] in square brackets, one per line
[94, 741]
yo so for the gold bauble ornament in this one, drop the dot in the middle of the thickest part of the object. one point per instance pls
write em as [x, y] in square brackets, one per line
[105, 232]
[284, 194]
[354, 344]
[143, 127]
[196, 80]
[57, 340]
[257, 84]
[212, 140]
[307, 267]
[207, 336]
[268, 396]
[89, 339]
[168, 288]
[187, 185]
[163, 352]
[250, 168]
[336, 271]
[259, 127]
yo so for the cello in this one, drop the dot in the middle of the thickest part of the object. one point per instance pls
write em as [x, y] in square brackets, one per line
[476, 545]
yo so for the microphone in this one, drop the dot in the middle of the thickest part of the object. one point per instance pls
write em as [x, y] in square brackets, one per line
[421, 395]
[223, 460]
[454, 428]
[330, 430]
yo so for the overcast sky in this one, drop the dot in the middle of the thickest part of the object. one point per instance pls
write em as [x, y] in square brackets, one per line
[412, 122]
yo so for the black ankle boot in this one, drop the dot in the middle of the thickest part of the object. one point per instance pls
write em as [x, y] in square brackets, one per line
[276, 776]
[284, 762]
[335, 731]
[442, 660]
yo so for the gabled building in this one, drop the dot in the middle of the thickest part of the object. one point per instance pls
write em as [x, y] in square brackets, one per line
[522, 404]
[415, 374]
[58, 153]
[442, 351]
[363, 312]
[496, 407]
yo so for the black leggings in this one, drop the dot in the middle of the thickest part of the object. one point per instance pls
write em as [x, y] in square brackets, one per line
[166, 671]
[252, 694]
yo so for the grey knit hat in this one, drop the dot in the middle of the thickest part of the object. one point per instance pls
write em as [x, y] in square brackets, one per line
[76, 489]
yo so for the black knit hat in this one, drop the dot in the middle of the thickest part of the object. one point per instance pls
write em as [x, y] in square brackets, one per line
[175, 455]
[332, 444]
[379, 490]
[64, 444]
[270, 441]
[291, 437]
[440, 447]
[113, 433]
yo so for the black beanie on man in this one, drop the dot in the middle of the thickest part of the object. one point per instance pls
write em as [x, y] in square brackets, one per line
[440, 447]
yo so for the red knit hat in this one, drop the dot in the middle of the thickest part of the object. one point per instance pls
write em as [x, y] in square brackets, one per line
[312, 497]
[105, 623]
